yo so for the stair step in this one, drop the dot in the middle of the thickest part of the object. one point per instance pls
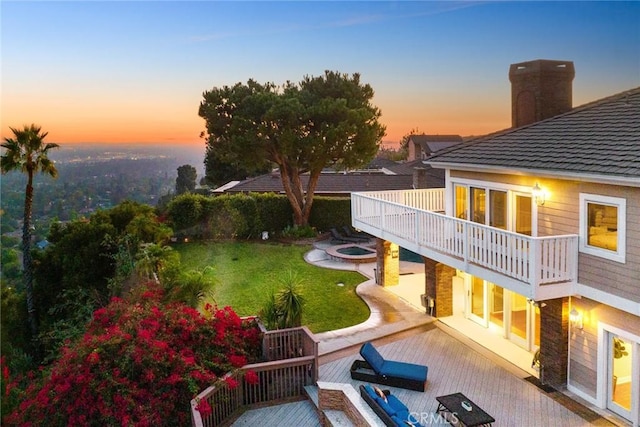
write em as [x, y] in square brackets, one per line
[337, 418]
[312, 393]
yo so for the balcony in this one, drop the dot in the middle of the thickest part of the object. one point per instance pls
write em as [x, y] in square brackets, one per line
[537, 267]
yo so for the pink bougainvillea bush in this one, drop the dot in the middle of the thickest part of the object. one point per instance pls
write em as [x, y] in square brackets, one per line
[139, 364]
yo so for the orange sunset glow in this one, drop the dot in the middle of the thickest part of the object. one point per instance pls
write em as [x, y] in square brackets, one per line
[140, 123]
[96, 72]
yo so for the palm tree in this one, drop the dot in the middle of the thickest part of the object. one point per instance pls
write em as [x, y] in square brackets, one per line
[28, 153]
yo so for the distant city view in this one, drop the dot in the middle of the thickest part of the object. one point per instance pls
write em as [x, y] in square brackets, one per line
[93, 177]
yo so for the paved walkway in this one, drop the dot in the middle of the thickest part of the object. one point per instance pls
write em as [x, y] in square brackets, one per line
[390, 314]
[454, 360]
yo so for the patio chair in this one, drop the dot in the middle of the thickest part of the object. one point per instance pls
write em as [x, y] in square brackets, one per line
[337, 237]
[350, 232]
[374, 368]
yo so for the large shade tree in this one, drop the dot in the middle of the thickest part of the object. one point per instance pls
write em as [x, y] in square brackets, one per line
[302, 128]
[28, 153]
[219, 170]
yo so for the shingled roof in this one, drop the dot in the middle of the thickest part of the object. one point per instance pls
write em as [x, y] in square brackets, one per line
[379, 175]
[601, 138]
[328, 184]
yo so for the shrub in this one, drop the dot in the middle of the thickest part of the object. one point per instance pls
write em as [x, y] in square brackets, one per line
[233, 216]
[274, 210]
[185, 211]
[139, 363]
[14, 328]
[245, 216]
[328, 212]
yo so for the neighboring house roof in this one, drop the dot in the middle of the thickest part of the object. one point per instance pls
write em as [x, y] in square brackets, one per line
[383, 164]
[406, 168]
[328, 184]
[226, 186]
[597, 140]
[434, 176]
[432, 143]
[379, 175]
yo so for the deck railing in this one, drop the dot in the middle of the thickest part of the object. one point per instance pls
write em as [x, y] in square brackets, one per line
[416, 219]
[291, 363]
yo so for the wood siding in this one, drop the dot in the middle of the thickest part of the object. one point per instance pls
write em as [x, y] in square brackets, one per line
[609, 276]
[583, 344]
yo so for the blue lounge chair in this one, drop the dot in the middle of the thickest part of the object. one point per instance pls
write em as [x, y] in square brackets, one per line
[374, 368]
[388, 407]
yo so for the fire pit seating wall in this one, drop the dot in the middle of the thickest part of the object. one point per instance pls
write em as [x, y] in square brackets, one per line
[388, 372]
[388, 407]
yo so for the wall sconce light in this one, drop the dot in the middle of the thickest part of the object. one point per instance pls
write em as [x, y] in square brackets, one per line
[538, 304]
[538, 195]
[575, 317]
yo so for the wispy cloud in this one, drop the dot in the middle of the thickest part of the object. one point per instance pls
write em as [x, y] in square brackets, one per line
[434, 8]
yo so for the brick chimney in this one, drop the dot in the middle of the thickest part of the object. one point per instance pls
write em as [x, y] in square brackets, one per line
[540, 89]
[419, 178]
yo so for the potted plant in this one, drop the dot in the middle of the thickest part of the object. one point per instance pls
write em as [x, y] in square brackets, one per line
[619, 350]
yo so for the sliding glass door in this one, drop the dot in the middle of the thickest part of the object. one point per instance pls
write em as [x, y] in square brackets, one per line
[621, 378]
[508, 313]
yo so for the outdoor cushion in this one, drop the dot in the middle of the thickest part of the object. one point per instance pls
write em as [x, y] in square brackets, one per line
[396, 404]
[371, 355]
[385, 406]
[409, 371]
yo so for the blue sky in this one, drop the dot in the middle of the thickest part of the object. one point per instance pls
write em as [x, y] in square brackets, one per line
[135, 71]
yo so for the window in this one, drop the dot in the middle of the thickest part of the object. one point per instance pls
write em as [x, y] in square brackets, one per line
[498, 209]
[523, 214]
[507, 207]
[461, 202]
[602, 226]
[478, 200]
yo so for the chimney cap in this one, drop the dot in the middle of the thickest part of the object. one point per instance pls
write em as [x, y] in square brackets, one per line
[542, 65]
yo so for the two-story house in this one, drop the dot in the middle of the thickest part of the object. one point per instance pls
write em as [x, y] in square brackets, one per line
[535, 237]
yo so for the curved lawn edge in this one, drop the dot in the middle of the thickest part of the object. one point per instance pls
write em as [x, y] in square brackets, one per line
[247, 272]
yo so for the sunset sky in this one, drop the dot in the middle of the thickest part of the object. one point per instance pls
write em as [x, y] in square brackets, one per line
[120, 71]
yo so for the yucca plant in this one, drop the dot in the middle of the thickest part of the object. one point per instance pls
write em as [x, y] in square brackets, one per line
[269, 313]
[290, 301]
[284, 308]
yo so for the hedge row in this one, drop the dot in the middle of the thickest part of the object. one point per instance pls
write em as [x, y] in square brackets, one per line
[246, 216]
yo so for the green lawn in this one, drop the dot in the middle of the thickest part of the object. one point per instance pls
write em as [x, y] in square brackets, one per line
[246, 274]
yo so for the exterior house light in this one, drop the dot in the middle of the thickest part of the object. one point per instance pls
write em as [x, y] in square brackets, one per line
[575, 317]
[538, 195]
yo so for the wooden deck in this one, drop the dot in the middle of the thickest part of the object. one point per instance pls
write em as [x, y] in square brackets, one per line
[453, 367]
[289, 414]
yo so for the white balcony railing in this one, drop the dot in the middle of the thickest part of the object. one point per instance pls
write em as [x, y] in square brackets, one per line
[413, 218]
